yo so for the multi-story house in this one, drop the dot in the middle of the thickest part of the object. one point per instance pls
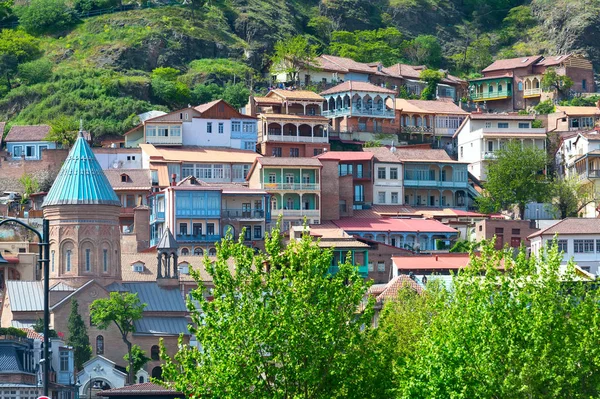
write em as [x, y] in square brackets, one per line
[431, 178]
[428, 121]
[210, 164]
[198, 214]
[481, 135]
[359, 110]
[132, 186]
[450, 87]
[512, 233]
[578, 239]
[290, 123]
[570, 119]
[516, 83]
[294, 185]
[214, 124]
[387, 176]
[28, 142]
[357, 191]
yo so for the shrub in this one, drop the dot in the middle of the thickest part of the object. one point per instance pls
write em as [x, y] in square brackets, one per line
[35, 71]
[44, 16]
[544, 107]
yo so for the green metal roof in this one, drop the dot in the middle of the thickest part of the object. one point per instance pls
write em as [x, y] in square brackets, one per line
[81, 180]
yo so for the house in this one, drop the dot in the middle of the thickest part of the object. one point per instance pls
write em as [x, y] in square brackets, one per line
[198, 214]
[28, 142]
[209, 164]
[358, 110]
[294, 186]
[358, 167]
[571, 119]
[413, 234]
[214, 124]
[428, 121]
[388, 176]
[132, 187]
[18, 375]
[577, 238]
[118, 158]
[290, 123]
[515, 83]
[450, 88]
[482, 134]
[21, 261]
[512, 233]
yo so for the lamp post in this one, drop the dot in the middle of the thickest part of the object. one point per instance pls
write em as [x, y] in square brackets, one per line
[43, 261]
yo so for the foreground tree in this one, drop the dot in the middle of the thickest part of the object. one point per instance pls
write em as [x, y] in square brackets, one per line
[292, 54]
[530, 331]
[78, 337]
[514, 178]
[122, 310]
[280, 326]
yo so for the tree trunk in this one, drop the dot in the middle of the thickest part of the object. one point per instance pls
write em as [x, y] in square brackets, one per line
[522, 211]
[131, 376]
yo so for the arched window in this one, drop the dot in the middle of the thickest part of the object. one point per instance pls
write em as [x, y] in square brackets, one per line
[369, 103]
[491, 89]
[185, 251]
[105, 260]
[99, 345]
[499, 87]
[198, 251]
[141, 379]
[358, 103]
[157, 373]
[68, 260]
[52, 261]
[88, 259]
[154, 353]
[212, 252]
[520, 86]
[379, 105]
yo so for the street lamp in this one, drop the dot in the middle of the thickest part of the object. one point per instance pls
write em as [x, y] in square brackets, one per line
[43, 261]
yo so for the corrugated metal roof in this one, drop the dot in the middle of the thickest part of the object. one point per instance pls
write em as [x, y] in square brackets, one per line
[62, 287]
[25, 296]
[157, 299]
[162, 325]
[22, 323]
[81, 180]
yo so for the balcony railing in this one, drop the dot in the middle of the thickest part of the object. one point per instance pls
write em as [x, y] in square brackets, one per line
[435, 183]
[235, 213]
[353, 111]
[489, 155]
[532, 92]
[496, 95]
[157, 216]
[164, 140]
[416, 129]
[358, 175]
[243, 135]
[294, 139]
[314, 213]
[292, 186]
[198, 237]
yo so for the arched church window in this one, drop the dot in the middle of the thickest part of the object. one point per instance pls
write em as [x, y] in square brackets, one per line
[99, 345]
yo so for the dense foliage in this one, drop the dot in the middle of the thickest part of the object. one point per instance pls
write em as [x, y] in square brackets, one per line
[78, 337]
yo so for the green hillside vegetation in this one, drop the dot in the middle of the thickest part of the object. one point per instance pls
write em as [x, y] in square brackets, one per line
[108, 68]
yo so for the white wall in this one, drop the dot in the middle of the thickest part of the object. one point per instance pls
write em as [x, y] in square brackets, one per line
[124, 160]
[388, 186]
[586, 260]
[194, 133]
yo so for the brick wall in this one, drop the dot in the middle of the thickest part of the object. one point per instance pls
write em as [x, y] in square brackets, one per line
[44, 170]
[383, 253]
[330, 190]
[511, 231]
[347, 194]
[578, 75]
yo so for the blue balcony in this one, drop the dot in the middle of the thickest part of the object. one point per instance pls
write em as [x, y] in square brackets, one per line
[244, 135]
[435, 184]
[208, 238]
[157, 217]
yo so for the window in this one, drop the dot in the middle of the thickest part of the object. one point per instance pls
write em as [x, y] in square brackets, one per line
[371, 268]
[198, 252]
[105, 260]
[272, 178]
[258, 232]
[236, 126]
[154, 352]
[185, 252]
[393, 173]
[150, 131]
[380, 266]
[64, 361]
[294, 152]
[247, 233]
[502, 125]
[68, 260]
[317, 151]
[394, 198]
[210, 229]
[516, 232]
[499, 87]
[183, 229]
[584, 84]
[523, 125]
[289, 178]
[87, 259]
[563, 246]
[381, 197]
[29, 151]
[248, 127]
[520, 86]
[17, 151]
[381, 173]
[124, 178]
[221, 128]
[583, 246]
[52, 261]
[462, 152]
[187, 169]
[342, 205]
[99, 345]
[488, 125]
[208, 127]
[249, 145]
[276, 151]
[175, 130]
[359, 193]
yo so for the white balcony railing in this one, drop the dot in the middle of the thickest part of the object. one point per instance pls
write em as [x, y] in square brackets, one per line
[347, 111]
[165, 140]
[541, 131]
[532, 92]
[294, 139]
[309, 213]
[292, 186]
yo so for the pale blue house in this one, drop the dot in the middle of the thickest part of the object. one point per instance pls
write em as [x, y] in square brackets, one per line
[27, 142]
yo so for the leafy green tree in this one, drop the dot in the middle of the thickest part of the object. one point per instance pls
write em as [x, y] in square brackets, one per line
[292, 54]
[206, 92]
[382, 45]
[514, 178]
[139, 360]
[83, 6]
[16, 47]
[569, 196]
[168, 89]
[36, 71]
[479, 53]
[46, 16]
[432, 78]
[279, 326]
[78, 337]
[544, 107]
[236, 95]
[30, 185]
[552, 81]
[528, 331]
[424, 49]
[322, 26]
[122, 310]
[38, 327]
[63, 130]
[5, 9]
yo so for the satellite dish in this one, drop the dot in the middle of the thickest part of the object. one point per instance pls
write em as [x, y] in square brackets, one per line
[115, 165]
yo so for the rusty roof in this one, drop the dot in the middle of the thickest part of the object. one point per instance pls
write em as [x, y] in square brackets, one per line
[428, 107]
[350, 85]
[27, 133]
[302, 95]
[135, 179]
[346, 156]
[512, 63]
[383, 154]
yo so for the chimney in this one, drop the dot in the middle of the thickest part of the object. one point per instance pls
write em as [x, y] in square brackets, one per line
[436, 258]
[173, 179]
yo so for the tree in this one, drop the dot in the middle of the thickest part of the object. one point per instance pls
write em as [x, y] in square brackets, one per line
[5, 9]
[63, 130]
[292, 54]
[544, 107]
[569, 196]
[30, 185]
[552, 81]
[36, 71]
[382, 45]
[45, 16]
[528, 331]
[139, 360]
[432, 78]
[515, 178]
[122, 310]
[168, 89]
[279, 326]
[78, 337]
[424, 49]
[204, 93]
[38, 327]
[16, 47]
[236, 95]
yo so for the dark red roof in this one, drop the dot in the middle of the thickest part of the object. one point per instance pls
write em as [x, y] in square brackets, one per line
[393, 225]
[145, 389]
[27, 133]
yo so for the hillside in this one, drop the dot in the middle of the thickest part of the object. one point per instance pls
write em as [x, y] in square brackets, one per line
[101, 68]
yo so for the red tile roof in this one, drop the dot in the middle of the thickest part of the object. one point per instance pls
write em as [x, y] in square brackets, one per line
[302, 95]
[432, 262]
[383, 154]
[343, 64]
[27, 133]
[431, 107]
[393, 225]
[390, 292]
[554, 60]
[512, 63]
[435, 155]
[346, 155]
[350, 85]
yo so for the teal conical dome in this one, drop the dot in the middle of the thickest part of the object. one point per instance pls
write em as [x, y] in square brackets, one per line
[81, 180]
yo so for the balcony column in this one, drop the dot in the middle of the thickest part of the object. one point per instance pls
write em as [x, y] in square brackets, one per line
[301, 207]
[522, 143]
[301, 181]
[304, 105]
[312, 133]
[498, 144]
[297, 131]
